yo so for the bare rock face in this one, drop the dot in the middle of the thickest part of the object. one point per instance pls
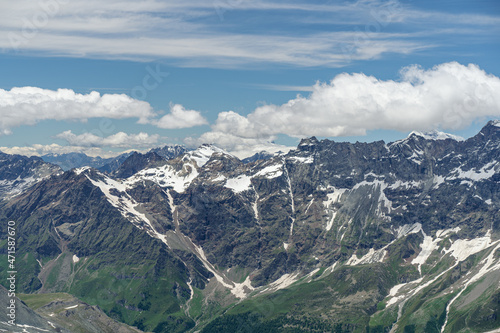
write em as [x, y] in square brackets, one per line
[23, 317]
[17, 173]
[331, 236]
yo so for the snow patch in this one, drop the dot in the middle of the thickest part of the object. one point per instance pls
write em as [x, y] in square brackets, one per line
[486, 172]
[71, 307]
[371, 257]
[75, 259]
[406, 185]
[239, 289]
[330, 223]
[436, 135]
[239, 184]
[284, 281]
[333, 197]
[428, 246]
[219, 178]
[272, 171]
[305, 160]
[78, 171]
[201, 155]
[167, 176]
[408, 229]
[461, 249]
[310, 275]
[438, 180]
[309, 205]
[442, 233]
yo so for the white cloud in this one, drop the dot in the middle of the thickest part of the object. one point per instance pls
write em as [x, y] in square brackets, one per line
[195, 33]
[39, 150]
[179, 117]
[118, 140]
[449, 96]
[30, 105]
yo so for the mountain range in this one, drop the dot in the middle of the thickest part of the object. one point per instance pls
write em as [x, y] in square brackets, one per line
[329, 237]
[77, 160]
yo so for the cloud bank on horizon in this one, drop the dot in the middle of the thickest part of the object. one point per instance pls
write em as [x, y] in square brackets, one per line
[449, 96]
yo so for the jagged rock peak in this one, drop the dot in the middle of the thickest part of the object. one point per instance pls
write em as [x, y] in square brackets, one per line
[170, 151]
[262, 155]
[312, 141]
[491, 129]
[495, 123]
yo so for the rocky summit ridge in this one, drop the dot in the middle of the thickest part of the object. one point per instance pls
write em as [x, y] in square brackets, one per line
[329, 237]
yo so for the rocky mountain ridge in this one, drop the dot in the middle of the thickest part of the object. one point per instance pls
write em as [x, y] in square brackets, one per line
[338, 236]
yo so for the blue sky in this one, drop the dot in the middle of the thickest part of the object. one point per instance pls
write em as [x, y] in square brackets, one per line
[246, 75]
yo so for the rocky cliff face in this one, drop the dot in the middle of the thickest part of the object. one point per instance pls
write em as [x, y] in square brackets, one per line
[328, 237]
[169, 151]
[18, 173]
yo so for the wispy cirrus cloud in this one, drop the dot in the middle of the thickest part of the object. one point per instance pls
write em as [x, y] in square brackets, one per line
[218, 34]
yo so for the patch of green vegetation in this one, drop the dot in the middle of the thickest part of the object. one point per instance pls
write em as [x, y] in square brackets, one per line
[444, 244]
[384, 318]
[496, 255]
[251, 322]
[143, 295]
[435, 264]
[36, 301]
[319, 273]
[53, 277]
[424, 313]
[481, 313]
[27, 270]
[381, 306]
[343, 299]
[196, 304]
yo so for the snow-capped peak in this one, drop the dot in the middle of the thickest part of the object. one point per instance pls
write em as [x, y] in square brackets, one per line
[201, 155]
[78, 171]
[436, 135]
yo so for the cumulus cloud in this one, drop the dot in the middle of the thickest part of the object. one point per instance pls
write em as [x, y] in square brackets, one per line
[118, 140]
[449, 96]
[179, 117]
[30, 105]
